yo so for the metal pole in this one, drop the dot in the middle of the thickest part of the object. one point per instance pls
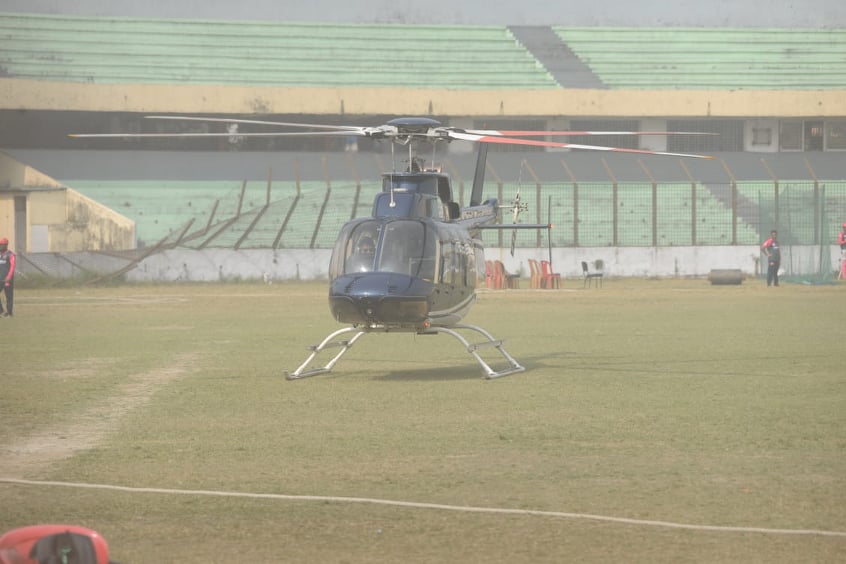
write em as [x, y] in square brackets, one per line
[692, 202]
[651, 178]
[614, 203]
[575, 203]
[733, 202]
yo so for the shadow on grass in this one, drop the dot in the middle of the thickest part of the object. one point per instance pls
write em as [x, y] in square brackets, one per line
[470, 370]
[429, 374]
[570, 363]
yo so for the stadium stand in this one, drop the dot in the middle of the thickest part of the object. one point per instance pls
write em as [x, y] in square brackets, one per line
[311, 220]
[160, 51]
[706, 58]
[162, 208]
[124, 50]
[121, 50]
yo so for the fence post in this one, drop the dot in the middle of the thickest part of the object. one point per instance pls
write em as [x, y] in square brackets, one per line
[575, 203]
[357, 196]
[776, 206]
[817, 221]
[692, 202]
[733, 202]
[269, 183]
[537, 199]
[614, 203]
[325, 204]
[654, 202]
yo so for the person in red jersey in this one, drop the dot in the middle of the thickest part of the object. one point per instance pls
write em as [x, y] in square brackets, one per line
[773, 252]
[7, 277]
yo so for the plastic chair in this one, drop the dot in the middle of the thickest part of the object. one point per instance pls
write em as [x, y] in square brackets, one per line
[549, 279]
[507, 280]
[494, 273]
[535, 274]
[489, 275]
[591, 276]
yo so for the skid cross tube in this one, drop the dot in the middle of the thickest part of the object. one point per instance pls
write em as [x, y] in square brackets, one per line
[472, 348]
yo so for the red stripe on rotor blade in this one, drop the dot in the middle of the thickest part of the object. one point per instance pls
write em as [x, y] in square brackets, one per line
[533, 143]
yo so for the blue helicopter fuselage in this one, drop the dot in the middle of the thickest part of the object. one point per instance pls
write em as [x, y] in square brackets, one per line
[414, 263]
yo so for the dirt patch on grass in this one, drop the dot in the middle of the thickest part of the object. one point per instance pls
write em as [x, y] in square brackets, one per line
[33, 454]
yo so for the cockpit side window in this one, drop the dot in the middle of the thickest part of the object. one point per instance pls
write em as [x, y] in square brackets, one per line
[358, 248]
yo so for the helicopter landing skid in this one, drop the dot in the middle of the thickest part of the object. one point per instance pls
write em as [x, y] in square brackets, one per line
[472, 348]
[490, 373]
[301, 372]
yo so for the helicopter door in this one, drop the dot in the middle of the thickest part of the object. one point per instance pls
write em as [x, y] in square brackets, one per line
[408, 247]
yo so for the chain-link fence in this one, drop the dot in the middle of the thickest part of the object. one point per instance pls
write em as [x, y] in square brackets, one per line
[629, 214]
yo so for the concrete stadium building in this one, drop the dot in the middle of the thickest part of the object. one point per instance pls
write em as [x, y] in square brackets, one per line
[774, 97]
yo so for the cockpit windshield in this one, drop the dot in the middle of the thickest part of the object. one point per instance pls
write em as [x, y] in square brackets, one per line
[401, 246]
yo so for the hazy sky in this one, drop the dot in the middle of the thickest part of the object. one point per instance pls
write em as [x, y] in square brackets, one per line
[710, 13]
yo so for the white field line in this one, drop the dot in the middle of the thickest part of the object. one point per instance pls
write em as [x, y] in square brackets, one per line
[418, 505]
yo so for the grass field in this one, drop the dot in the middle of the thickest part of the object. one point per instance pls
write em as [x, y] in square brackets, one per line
[668, 401]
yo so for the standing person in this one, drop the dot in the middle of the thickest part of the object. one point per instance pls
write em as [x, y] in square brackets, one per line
[7, 277]
[771, 249]
[841, 239]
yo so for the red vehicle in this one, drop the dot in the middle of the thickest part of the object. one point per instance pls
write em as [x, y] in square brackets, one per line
[42, 544]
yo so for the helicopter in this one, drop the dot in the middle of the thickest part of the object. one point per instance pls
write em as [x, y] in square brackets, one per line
[414, 264]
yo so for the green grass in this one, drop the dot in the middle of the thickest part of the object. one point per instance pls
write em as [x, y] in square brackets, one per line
[667, 400]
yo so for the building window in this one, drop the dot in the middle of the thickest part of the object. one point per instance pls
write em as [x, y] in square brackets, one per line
[729, 135]
[790, 137]
[835, 135]
[762, 136]
[814, 138]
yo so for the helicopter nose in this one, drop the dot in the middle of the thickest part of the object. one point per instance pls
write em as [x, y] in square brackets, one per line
[385, 310]
[380, 299]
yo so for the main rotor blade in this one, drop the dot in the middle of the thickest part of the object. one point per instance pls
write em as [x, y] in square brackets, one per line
[506, 133]
[260, 122]
[235, 134]
[533, 143]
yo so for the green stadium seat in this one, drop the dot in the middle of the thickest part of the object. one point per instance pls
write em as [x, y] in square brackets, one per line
[121, 50]
[711, 58]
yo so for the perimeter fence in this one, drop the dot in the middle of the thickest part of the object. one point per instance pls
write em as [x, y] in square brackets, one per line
[642, 214]
[308, 215]
[808, 216]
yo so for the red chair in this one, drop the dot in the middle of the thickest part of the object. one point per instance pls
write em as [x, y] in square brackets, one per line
[494, 275]
[506, 279]
[549, 279]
